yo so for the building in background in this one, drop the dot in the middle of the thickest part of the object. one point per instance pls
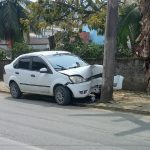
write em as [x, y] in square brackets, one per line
[94, 37]
[3, 44]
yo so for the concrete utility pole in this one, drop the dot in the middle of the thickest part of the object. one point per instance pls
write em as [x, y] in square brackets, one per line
[109, 50]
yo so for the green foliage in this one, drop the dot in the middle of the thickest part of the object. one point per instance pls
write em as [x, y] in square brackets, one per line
[124, 52]
[68, 14]
[92, 50]
[35, 19]
[58, 37]
[97, 21]
[85, 50]
[20, 48]
[10, 13]
[2, 54]
[72, 14]
[129, 24]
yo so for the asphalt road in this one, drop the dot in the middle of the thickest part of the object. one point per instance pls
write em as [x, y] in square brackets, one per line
[34, 123]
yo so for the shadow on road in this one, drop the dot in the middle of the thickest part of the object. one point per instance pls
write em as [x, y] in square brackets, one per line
[136, 119]
[48, 101]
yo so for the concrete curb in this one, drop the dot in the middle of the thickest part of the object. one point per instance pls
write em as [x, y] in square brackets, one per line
[4, 91]
[142, 112]
[3, 88]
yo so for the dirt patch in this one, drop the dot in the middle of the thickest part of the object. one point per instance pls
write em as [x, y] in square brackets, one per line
[130, 96]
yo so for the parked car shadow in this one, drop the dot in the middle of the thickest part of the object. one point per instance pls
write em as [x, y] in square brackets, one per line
[48, 101]
[51, 99]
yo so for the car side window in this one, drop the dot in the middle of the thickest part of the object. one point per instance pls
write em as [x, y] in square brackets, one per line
[24, 63]
[15, 65]
[37, 64]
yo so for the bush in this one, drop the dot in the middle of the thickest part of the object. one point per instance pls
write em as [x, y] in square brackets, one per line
[19, 49]
[91, 50]
[85, 50]
[2, 54]
[124, 52]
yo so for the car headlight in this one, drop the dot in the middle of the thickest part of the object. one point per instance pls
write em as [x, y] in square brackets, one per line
[77, 79]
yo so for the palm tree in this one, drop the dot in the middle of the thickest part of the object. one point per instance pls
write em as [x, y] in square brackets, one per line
[144, 38]
[129, 24]
[10, 13]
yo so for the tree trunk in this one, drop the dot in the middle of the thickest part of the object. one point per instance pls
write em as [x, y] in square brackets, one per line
[109, 50]
[147, 74]
[144, 39]
[51, 40]
[10, 43]
[26, 36]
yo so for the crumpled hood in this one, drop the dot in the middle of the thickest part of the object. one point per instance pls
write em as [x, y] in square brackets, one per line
[86, 71]
[93, 73]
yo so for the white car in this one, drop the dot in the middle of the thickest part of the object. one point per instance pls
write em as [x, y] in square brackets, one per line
[55, 73]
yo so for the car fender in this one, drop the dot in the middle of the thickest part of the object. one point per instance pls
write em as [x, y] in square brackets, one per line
[13, 78]
[58, 81]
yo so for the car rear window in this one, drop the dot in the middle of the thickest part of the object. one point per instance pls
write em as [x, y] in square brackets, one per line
[24, 63]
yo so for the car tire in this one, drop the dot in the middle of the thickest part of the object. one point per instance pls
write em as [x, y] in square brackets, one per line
[15, 90]
[62, 95]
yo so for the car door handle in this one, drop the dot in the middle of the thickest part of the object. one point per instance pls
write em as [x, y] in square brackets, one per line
[32, 75]
[16, 72]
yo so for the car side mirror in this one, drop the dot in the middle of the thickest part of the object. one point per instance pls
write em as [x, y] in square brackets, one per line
[43, 70]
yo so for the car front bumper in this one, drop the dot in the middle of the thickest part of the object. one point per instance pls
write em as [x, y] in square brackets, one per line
[83, 89]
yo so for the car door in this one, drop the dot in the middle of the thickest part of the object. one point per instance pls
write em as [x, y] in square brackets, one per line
[22, 72]
[40, 82]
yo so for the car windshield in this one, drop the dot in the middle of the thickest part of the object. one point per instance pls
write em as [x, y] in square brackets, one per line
[65, 61]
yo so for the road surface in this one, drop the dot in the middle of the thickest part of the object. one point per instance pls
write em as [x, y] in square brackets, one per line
[34, 123]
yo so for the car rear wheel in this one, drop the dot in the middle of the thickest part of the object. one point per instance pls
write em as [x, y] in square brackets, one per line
[62, 95]
[15, 90]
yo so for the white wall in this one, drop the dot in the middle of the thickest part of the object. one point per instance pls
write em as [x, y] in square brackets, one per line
[3, 46]
[36, 47]
[40, 47]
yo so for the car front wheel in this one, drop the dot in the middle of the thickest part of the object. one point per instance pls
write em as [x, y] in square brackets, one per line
[15, 90]
[62, 95]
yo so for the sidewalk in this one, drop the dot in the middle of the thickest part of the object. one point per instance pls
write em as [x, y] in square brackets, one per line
[3, 88]
[126, 101]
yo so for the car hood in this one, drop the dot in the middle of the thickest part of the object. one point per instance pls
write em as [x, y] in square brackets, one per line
[86, 71]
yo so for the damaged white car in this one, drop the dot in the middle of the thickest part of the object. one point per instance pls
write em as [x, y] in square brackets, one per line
[55, 73]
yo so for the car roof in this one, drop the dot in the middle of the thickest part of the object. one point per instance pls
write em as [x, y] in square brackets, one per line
[45, 53]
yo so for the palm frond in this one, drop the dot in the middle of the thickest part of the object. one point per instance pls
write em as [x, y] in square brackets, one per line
[129, 23]
[10, 13]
